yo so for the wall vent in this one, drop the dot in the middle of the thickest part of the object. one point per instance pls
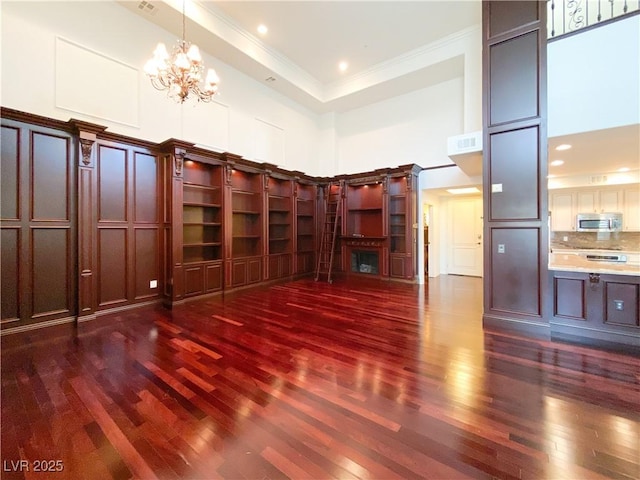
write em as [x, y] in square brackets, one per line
[466, 143]
[598, 179]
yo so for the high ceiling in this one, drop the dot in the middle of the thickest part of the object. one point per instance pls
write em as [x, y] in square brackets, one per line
[306, 40]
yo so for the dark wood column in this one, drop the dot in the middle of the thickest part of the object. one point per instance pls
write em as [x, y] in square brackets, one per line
[87, 214]
[173, 164]
[515, 165]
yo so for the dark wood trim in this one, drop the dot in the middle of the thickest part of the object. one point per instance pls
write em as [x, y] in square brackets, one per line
[515, 107]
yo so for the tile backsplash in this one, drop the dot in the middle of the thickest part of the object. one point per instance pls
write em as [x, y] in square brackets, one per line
[622, 241]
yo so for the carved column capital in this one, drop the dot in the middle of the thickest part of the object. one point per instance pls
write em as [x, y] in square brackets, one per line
[178, 162]
[86, 145]
[228, 170]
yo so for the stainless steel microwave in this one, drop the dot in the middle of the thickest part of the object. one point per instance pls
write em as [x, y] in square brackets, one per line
[599, 222]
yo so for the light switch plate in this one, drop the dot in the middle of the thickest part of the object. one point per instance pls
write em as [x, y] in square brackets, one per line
[496, 188]
[153, 284]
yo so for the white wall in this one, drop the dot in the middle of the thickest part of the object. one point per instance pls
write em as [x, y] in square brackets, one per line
[594, 79]
[40, 40]
[410, 128]
[57, 54]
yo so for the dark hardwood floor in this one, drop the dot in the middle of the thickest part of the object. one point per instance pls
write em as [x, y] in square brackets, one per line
[360, 379]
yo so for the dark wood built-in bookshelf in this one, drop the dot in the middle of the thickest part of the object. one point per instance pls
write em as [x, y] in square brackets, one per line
[280, 227]
[202, 227]
[364, 210]
[246, 192]
[306, 226]
[402, 218]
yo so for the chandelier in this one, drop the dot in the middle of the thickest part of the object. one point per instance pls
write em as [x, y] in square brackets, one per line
[181, 72]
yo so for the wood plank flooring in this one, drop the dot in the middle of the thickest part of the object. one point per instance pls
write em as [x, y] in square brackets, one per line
[354, 380]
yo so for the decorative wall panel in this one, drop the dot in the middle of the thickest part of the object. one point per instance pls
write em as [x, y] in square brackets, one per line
[75, 87]
[50, 271]
[145, 188]
[146, 261]
[208, 126]
[514, 175]
[515, 283]
[505, 16]
[269, 142]
[50, 163]
[39, 253]
[10, 168]
[514, 78]
[566, 292]
[112, 266]
[10, 274]
[112, 184]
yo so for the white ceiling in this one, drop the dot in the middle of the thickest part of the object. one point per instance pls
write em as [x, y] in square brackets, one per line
[307, 39]
[597, 152]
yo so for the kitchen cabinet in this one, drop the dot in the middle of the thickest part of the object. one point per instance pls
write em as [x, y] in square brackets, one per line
[566, 203]
[596, 307]
[631, 210]
[563, 218]
[599, 201]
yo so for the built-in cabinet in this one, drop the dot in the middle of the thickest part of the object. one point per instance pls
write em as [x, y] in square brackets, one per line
[402, 226]
[280, 225]
[245, 192]
[631, 208]
[566, 204]
[145, 222]
[306, 226]
[202, 228]
[379, 224]
[595, 307]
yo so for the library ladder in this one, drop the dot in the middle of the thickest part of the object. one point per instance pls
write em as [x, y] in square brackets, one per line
[330, 227]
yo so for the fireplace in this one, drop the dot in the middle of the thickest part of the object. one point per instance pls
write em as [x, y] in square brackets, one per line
[365, 261]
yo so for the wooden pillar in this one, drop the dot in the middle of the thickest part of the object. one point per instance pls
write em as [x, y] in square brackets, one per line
[173, 163]
[87, 216]
[515, 166]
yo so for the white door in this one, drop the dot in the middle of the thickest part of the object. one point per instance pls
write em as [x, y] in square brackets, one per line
[465, 252]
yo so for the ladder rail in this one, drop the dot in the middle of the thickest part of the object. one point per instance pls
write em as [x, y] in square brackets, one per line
[329, 231]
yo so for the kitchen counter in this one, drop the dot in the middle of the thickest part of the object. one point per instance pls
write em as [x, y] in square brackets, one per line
[575, 261]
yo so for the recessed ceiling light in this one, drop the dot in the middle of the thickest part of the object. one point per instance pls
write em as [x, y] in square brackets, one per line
[343, 66]
[564, 146]
[557, 163]
[461, 191]
[262, 29]
[624, 169]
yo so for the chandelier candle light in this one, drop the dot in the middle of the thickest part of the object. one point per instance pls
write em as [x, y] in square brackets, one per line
[181, 73]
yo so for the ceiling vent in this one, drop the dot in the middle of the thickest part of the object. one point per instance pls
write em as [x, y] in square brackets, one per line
[147, 7]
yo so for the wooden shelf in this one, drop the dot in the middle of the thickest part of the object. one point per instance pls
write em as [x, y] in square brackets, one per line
[203, 224]
[200, 204]
[203, 244]
[246, 212]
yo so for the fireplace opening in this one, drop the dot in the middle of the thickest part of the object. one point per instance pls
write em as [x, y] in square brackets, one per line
[363, 261]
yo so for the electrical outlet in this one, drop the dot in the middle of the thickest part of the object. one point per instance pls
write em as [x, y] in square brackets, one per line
[618, 304]
[501, 248]
[565, 239]
[153, 284]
